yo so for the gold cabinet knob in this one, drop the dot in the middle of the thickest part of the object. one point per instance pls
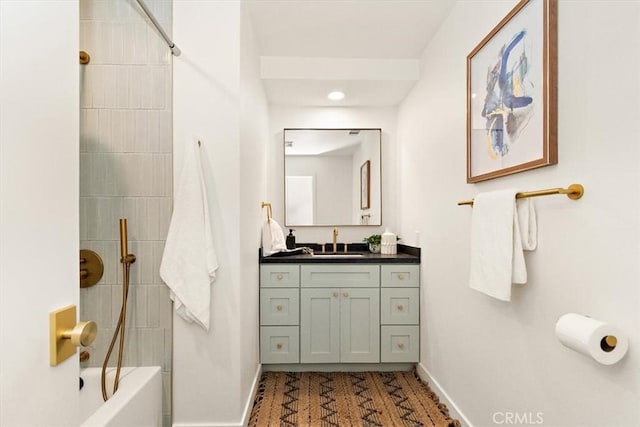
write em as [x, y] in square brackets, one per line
[400, 276]
[400, 345]
[279, 277]
[400, 307]
[335, 295]
[345, 294]
[279, 308]
[279, 346]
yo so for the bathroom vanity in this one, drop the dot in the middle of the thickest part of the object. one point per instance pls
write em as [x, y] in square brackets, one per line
[326, 311]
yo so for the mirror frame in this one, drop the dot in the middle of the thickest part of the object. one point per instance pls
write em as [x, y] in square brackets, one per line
[284, 178]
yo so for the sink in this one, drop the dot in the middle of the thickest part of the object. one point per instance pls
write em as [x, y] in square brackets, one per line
[338, 255]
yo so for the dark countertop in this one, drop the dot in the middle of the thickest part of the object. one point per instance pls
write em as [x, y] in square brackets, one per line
[406, 255]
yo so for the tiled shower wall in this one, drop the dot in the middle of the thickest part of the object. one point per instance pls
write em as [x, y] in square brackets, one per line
[125, 171]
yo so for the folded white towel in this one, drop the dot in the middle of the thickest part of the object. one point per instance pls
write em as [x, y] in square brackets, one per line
[272, 238]
[497, 234]
[189, 261]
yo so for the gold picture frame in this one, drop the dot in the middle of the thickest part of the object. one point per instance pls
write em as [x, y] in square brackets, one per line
[512, 94]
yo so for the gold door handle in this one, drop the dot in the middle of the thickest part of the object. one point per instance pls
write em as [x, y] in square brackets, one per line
[400, 307]
[335, 295]
[279, 277]
[279, 308]
[400, 276]
[345, 294]
[279, 346]
[401, 345]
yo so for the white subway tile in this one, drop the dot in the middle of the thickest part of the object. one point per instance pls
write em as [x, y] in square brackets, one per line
[153, 132]
[157, 348]
[110, 94]
[118, 33]
[165, 132]
[145, 346]
[103, 143]
[142, 132]
[153, 306]
[131, 351]
[139, 43]
[122, 86]
[158, 250]
[165, 308]
[141, 305]
[159, 80]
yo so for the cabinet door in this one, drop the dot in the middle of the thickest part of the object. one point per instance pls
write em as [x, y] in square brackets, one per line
[359, 325]
[319, 325]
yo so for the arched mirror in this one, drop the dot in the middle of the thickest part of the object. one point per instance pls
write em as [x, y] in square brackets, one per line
[332, 177]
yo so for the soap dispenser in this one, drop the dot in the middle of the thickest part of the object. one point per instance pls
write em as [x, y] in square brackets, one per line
[291, 239]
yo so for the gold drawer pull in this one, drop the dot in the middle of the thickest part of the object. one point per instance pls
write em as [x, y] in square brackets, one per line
[400, 276]
[335, 295]
[279, 346]
[279, 308]
[279, 277]
[345, 294]
[400, 345]
[400, 307]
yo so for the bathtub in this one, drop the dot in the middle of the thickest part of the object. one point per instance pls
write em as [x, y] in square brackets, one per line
[137, 403]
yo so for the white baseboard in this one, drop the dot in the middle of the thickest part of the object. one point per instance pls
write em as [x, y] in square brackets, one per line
[252, 396]
[248, 406]
[454, 411]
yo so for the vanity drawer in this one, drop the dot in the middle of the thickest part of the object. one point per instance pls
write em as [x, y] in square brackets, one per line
[340, 276]
[280, 276]
[399, 344]
[399, 306]
[279, 344]
[279, 306]
[401, 275]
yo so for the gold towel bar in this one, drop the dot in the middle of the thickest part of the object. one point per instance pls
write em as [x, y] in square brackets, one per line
[574, 192]
[268, 206]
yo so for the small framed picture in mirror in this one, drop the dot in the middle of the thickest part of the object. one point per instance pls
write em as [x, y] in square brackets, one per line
[365, 177]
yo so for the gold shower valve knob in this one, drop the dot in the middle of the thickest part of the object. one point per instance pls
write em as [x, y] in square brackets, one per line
[65, 334]
[83, 334]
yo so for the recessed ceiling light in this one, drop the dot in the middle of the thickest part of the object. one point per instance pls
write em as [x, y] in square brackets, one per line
[336, 96]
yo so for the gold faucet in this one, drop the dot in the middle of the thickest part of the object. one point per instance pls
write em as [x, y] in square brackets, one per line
[335, 240]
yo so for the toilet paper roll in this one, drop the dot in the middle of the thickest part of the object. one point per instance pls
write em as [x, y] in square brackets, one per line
[603, 342]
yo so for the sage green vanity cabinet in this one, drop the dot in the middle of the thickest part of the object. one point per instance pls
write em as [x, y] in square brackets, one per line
[354, 313]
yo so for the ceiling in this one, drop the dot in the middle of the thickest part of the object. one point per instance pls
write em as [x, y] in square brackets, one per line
[348, 35]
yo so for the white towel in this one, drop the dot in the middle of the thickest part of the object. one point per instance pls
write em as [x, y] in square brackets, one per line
[189, 262]
[497, 234]
[272, 238]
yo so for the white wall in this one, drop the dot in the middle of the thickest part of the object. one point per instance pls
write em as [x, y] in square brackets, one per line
[39, 207]
[491, 356]
[214, 370]
[281, 117]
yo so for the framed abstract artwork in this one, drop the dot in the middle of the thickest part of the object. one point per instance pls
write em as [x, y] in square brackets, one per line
[512, 94]
[365, 181]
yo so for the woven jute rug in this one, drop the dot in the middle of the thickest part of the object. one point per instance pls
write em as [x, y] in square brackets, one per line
[327, 399]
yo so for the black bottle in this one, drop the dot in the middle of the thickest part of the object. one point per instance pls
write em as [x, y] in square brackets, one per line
[291, 240]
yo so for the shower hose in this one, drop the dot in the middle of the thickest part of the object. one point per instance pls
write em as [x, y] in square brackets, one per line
[127, 259]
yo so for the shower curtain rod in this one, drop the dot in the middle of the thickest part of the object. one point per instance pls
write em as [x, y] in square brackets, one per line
[174, 49]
